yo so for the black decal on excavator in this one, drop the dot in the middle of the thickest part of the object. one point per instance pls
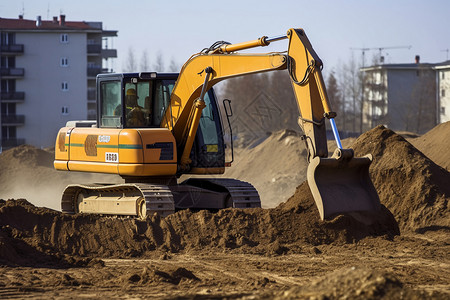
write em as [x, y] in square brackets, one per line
[166, 150]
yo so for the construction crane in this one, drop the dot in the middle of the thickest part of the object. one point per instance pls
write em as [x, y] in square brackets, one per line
[380, 49]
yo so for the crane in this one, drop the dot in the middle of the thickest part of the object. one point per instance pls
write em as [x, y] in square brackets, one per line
[380, 49]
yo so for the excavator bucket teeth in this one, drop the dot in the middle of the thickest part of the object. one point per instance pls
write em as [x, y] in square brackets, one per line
[340, 186]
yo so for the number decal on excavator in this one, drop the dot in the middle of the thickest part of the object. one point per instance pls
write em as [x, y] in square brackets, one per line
[111, 157]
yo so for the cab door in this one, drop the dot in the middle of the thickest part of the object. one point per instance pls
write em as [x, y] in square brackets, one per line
[209, 150]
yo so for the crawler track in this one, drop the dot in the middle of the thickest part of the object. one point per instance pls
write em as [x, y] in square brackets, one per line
[158, 198]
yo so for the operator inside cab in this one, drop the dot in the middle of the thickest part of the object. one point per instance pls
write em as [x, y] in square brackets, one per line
[134, 112]
[135, 115]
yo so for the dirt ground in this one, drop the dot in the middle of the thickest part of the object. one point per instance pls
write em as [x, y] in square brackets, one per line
[281, 251]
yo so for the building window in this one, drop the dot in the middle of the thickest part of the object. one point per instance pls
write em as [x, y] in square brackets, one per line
[9, 132]
[8, 62]
[65, 86]
[65, 110]
[64, 38]
[442, 110]
[8, 85]
[64, 61]
[8, 38]
[443, 93]
[443, 75]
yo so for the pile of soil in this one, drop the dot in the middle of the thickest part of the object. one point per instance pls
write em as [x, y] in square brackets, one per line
[435, 144]
[353, 283]
[27, 231]
[410, 185]
[27, 172]
[276, 166]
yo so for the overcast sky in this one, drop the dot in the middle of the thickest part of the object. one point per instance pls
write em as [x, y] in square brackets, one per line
[178, 29]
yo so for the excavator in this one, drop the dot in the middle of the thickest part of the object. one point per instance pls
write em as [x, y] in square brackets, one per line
[151, 128]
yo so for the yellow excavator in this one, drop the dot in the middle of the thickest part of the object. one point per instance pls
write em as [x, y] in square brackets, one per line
[151, 128]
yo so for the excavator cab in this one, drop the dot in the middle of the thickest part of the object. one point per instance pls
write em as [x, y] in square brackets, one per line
[140, 100]
[128, 96]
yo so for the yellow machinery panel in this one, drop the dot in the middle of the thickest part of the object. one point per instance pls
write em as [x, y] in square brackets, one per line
[127, 152]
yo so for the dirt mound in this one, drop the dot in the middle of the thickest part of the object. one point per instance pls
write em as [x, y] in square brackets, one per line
[25, 155]
[27, 172]
[276, 166]
[409, 184]
[287, 228]
[354, 283]
[435, 144]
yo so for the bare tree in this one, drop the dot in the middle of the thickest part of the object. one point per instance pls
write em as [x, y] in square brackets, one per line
[145, 66]
[130, 63]
[174, 66]
[262, 104]
[334, 96]
[350, 86]
[158, 65]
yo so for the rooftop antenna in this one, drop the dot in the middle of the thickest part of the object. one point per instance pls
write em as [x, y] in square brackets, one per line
[445, 50]
[48, 11]
[23, 10]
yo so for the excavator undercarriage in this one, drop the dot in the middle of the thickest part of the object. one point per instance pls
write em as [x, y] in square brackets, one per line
[145, 199]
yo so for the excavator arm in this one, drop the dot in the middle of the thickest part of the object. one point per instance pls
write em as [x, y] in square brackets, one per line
[203, 71]
[340, 183]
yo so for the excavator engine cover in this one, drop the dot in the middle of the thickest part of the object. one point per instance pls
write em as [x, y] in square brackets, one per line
[342, 184]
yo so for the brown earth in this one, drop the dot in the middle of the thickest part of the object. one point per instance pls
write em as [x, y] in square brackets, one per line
[285, 252]
[27, 172]
[435, 144]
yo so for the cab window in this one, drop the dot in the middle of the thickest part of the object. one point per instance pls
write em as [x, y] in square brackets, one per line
[138, 104]
[111, 99]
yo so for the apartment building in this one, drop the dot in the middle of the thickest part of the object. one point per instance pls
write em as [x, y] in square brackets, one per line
[443, 91]
[400, 96]
[48, 71]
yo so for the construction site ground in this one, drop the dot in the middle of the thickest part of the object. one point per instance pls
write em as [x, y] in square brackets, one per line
[280, 251]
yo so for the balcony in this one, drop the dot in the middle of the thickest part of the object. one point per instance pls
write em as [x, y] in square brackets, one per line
[92, 114]
[12, 72]
[109, 53]
[12, 142]
[91, 93]
[94, 49]
[93, 71]
[12, 97]
[13, 120]
[11, 49]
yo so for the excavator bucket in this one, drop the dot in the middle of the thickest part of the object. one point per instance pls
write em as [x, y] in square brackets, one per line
[342, 185]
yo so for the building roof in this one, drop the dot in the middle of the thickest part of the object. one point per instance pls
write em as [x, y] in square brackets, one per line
[443, 65]
[55, 24]
[411, 66]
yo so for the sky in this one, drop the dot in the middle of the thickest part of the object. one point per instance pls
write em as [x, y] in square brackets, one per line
[337, 29]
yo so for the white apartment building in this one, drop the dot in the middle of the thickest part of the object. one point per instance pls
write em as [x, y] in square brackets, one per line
[443, 91]
[48, 72]
[400, 96]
